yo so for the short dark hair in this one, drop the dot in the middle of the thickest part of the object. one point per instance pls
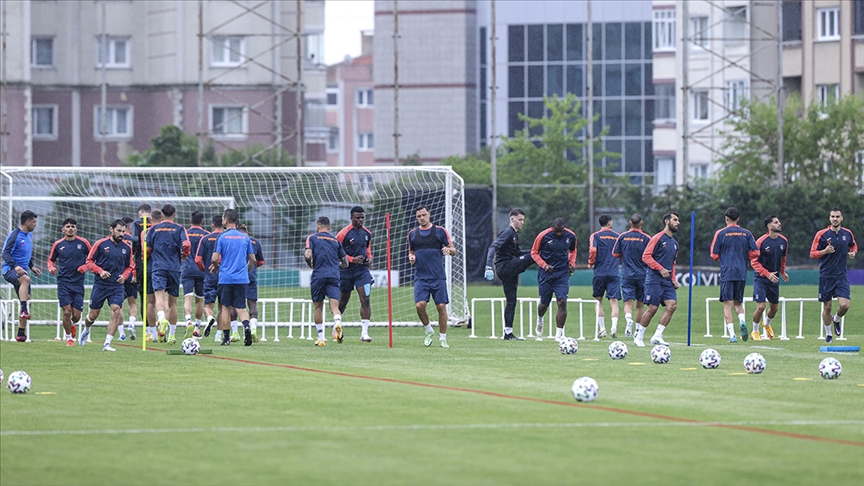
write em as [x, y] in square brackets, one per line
[420, 208]
[604, 219]
[635, 219]
[69, 221]
[242, 227]
[197, 217]
[357, 209]
[230, 216]
[27, 216]
[155, 215]
[323, 221]
[126, 220]
[668, 216]
[116, 223]
[144, 207]
[168, 210]
[835, 209]
[217, 221]
[732, 213]
[769, 219]
[558, 223]
[516, 212]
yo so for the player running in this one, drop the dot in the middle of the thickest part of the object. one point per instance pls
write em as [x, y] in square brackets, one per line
[203, 259]
[356, 240]
[17, 261]
[232, 259]
[68, 261]
[325, 256]
[251, 289]
[167, 247]
[510, 262]
[660, 285]
[554, 250]
[193, 277]
[629, 248]
[832, 246]
[768, 268]
[733, 246]
[133, 236]
[606, 280]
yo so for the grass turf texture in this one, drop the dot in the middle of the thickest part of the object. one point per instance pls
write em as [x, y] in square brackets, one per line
[483, 412]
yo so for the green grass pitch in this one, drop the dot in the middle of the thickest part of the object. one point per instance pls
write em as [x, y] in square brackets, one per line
[483, 412]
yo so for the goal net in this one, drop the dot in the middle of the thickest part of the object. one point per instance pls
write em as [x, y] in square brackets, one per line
[279, 207]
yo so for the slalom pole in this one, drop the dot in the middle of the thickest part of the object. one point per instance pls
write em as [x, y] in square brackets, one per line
[143, 242]
[690, 280]
[389, 284]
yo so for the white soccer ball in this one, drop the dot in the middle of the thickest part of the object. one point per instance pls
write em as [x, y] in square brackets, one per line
[568, 346]
[190, 346]
[661, 354]
[585, 389]
[617, 350]
[830, 369]
[754, 363]
[19, 382]
[710, 359]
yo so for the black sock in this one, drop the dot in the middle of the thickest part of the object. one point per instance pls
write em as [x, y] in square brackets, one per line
[24, 306]
[246, 324]
[21, 332]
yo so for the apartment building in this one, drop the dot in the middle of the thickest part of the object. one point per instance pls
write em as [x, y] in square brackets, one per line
[351, 109]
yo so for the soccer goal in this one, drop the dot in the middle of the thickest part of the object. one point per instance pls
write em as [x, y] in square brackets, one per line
[279, 206]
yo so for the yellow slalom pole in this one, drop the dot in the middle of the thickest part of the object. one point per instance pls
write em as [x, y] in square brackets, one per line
[143, 242]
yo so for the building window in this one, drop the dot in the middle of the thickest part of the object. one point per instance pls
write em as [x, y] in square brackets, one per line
[700, 104]
[44, 122]
[664, 107]
[736, 93]
[858, 13]
[735, 24]
[228, 121]
[314, 48]
[665, 171]
[227, 51]
[332, 98]
[664, 30]
[365, 141]
[118, 122]
[699, 29]
[365, 97]
[42, 52]
[828, 23]
[792, 20]
[113, 53]
[699, 171]
[333, 140]
[828, 93]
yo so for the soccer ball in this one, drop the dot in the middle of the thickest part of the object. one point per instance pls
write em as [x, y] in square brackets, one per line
[568, 346]
[754, 363]
[585, 389]
[710, 359]
[190, 346]
[617, 350]
[661, 354]
[1, 377]
[830, 369]
[19, 382]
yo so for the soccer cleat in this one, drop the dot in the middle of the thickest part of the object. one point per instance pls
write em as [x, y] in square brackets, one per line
[21, 339]
[83, 337]
[838, 330]
[225, 343]
[427, 341]
[733, 339]
[70, 342]
[247, 336]
[638, 343]
[320, 342]
[172, 339]
[24, 314]
[148, 339]
[209, 326]
[538, 330]
[75, 331]
[829, 338]
[744, 334]
[755, 336]
[613, 331]
[443, 343]
[769, 331]
[107, 347]
[131, 331]
[628, 331]
[337, 332]
[512, 337]
[602, 333]
[196, 334]
[163, 327]
[254, 337]
[364, 338]
[122, 337]
[190, 329]
[658, 341]
[235, 337]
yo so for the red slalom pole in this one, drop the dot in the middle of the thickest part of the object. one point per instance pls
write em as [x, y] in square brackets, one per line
[389, 284]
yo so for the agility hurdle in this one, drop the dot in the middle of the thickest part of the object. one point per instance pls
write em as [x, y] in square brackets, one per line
[528, 305]
[305, 307]
[783, 319]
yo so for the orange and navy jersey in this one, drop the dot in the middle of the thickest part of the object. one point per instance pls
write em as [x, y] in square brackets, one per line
[600, 246]
[356, 242]
[327, 254]
[629, 248]
[204, 253]
[772, 256]
[194, 233]
[833, 265]
[660, 253]
[113, 257]
[259, 259]
[554, 250]
[167, 244]
[69, 259]
[427, 243]
[733, 246]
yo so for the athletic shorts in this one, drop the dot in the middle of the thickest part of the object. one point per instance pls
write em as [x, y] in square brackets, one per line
[130, 289]
[166, 280]
[436, 289]
[232, 295]
[657, 293]
[764, 289]
[252, 290]
[354, 279]
[633, 289]
[732, 290]
[114, 294]
[325, 287]
[560, 286]
[70, 294]
[833, 287]
[611, 286]
[12, 277]
[193, 285]
[210, 289]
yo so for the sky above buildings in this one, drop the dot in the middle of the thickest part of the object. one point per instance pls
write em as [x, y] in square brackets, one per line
[344, 19]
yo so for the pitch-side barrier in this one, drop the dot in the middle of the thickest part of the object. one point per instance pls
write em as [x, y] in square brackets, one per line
[528, 306]
[783, 301]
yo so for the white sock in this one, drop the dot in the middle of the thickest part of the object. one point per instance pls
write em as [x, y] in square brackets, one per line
[755, 327]
[640, 332]
[172, 329]
[233, 327]
[658, 333]
[253, 324]
[768, 321]
[442, 336]
[152, 331]
[601, 321]
[132, 321]
[160, 315]
[741, 318]
[320, 329]
[835, 318]
[540, 320]
[428, 327]
[337, 319]
[827, 329]
[628, 318]
[122, 330]
[67, 337]
[188, 317]
[197, 323]
[108, 339]
[614, 323]
[559, 331]
[508, 330]
[730, 329]
[364, 323]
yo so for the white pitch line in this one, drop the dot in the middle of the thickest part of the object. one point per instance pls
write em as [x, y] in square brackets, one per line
[367, 428]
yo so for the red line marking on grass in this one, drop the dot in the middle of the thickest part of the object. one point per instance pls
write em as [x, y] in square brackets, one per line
[779, 433]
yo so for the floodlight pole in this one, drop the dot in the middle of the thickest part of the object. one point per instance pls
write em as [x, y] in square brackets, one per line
[589, 86]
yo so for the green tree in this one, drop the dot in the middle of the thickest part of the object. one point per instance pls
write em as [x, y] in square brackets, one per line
[172, 148]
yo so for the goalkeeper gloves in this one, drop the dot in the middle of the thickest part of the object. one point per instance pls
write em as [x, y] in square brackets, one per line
[489, 275]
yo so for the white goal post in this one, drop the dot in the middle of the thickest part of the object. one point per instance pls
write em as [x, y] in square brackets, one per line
[279, 206]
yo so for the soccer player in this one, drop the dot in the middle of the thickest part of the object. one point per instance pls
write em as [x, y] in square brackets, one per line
[167, 246]
[152, 334]
[325, 256]
[193, 277]
[510, 262]
[111, 260]
[134, 237]
[68, 261]
[252, 288]
[606, 280]
[232, 260]
[733, 246]
[428, 244]
[660, 286]
[17, 260]
[356, 240]
[554, 250]
[131, 286]
[203, 258]
[768, 268]
[629, 248]
[832, 246]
